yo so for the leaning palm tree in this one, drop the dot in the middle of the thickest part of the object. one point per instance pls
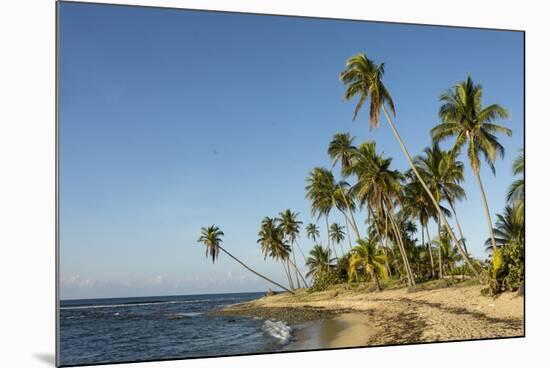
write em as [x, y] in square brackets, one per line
[211, 237]
[371, 258]
[290, 226]
[464, 117]
[516, 193]
[318, 261]
[337, 235]
[363, 78]
[312, 231]
[272, 244]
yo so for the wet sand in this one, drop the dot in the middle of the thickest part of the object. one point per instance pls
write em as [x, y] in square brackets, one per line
[343, 317]
[345, 330]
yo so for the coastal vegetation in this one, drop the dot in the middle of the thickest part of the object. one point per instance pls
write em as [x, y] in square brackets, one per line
[396, 206]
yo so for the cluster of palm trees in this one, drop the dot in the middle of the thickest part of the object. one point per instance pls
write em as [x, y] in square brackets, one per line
[393, 202]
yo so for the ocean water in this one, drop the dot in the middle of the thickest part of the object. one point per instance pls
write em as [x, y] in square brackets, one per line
[169, 327]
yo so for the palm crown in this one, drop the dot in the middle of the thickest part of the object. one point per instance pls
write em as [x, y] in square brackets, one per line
[464, 117]
[211, 237]
[363, 78]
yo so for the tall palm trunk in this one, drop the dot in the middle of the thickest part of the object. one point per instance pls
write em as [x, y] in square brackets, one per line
[328, 242]
[487, 213]
[375, 279]
[388, 268]
[410, 280]
[387, 264]
[458, 225]
[254, 272]
[347, 232]
[422, 227]
[295, 268]
[350, 212]
[287, 271]
[439, 247]
[300, 249]
[347, 218]
[430, 251]
[401, 247]
[447, 226]
[299, 273]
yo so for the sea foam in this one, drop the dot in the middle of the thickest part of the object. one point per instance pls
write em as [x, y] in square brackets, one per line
[279, 330]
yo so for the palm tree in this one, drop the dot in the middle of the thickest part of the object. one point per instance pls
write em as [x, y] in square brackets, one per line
[320, 191]
[290, 226]
[510, 227]
[516, 193]
[418, 205]
[377, 187]
[211, 237]
[318, 261]
[337, 235]
[363, 78]
[312, 231]
[442, 174]
[371, 258]
[271, 240]
[449, 254]
[341, 149]
[464, 117]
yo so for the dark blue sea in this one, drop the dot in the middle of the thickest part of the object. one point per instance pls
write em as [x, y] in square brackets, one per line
[166, 327]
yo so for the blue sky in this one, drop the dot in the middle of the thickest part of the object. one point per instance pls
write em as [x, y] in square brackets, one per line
[172, 120]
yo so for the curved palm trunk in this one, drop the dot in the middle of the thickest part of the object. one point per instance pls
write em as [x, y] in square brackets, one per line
[430, 251]
[254, 272]
[487, 213]
[447, 226]
[439, 247]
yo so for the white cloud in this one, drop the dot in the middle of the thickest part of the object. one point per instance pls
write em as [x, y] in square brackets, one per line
[79, 282]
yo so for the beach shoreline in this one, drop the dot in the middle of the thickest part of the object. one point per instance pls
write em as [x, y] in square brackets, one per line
[343, 317]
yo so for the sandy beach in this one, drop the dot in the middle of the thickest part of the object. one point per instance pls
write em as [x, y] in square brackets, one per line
[342, 317]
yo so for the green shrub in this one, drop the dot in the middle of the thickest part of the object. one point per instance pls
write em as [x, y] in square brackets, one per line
[323, 280]
[511, 272]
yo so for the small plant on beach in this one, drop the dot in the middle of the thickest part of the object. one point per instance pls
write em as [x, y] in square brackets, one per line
[318, 262]
[324, 280]
[368, 256]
